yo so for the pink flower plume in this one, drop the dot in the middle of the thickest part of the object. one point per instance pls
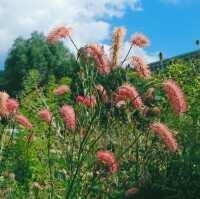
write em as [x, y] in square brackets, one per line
[129, 91]
[46, 115]
[102, 92]
[3, 98]
[163, 131]
[7, 105]
[176, 96]
[61, 90]
[89, 101]
[109, 158]
[23, 121]
[68, 112]
[11, 105]
[100, 58]
[138, 39]
[58, 33]
[141, 67]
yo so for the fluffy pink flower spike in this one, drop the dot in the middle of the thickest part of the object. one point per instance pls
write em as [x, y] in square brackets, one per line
[129, 91]
[58, 33]
[102, 92]
[23, 121]
[3, 98]
[7, 105]
[163, 131]
[61, 90]
[176, 96]
[46, 115]
[109, 158]
[89, 101]
[68, 112]
[138, 39]
[100, 58]
[141, 67]
[11, 105]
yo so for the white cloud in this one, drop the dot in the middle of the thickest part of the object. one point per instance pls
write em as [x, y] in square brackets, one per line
[88, 18]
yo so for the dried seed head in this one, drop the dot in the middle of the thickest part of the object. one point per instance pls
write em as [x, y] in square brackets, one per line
[118, 35]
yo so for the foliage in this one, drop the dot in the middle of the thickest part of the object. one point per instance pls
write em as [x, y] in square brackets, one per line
[35, 53]
[57, 157]
[180, 175]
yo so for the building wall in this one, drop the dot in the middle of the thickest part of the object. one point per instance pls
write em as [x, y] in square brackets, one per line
[160, 66]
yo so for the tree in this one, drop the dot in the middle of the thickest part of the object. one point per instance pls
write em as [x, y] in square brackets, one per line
[35, 53]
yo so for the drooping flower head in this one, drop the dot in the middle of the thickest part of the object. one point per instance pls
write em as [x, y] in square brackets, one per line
[141, 67]
[176, 96]
[58, 33]
[89, 101]
[100, 58]
[23, 121]
[61, 90]
[46, 115]
[109, 158]
[118, 35]
[103, 93]
[140, 40]
[165, 134]
[129, 91]
[68, 112]
[131, 192]
[37, 186]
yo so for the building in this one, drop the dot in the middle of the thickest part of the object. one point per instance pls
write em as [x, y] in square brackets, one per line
[160, 66]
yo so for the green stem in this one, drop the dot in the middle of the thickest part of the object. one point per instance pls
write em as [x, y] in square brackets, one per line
[7, 150]
[49, 160]
[127, 54]
[27, 167]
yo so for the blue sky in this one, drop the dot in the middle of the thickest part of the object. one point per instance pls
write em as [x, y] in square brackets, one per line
[173, 28]
[172, 25]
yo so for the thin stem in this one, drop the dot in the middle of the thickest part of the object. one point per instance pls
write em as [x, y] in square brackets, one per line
[49, 160]
[73, 43]
[27, 167]
[127, 54]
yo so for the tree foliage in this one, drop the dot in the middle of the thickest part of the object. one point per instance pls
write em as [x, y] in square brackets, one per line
[35, 53]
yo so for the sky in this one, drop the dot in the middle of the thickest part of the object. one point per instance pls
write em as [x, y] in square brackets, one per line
[172, 25]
